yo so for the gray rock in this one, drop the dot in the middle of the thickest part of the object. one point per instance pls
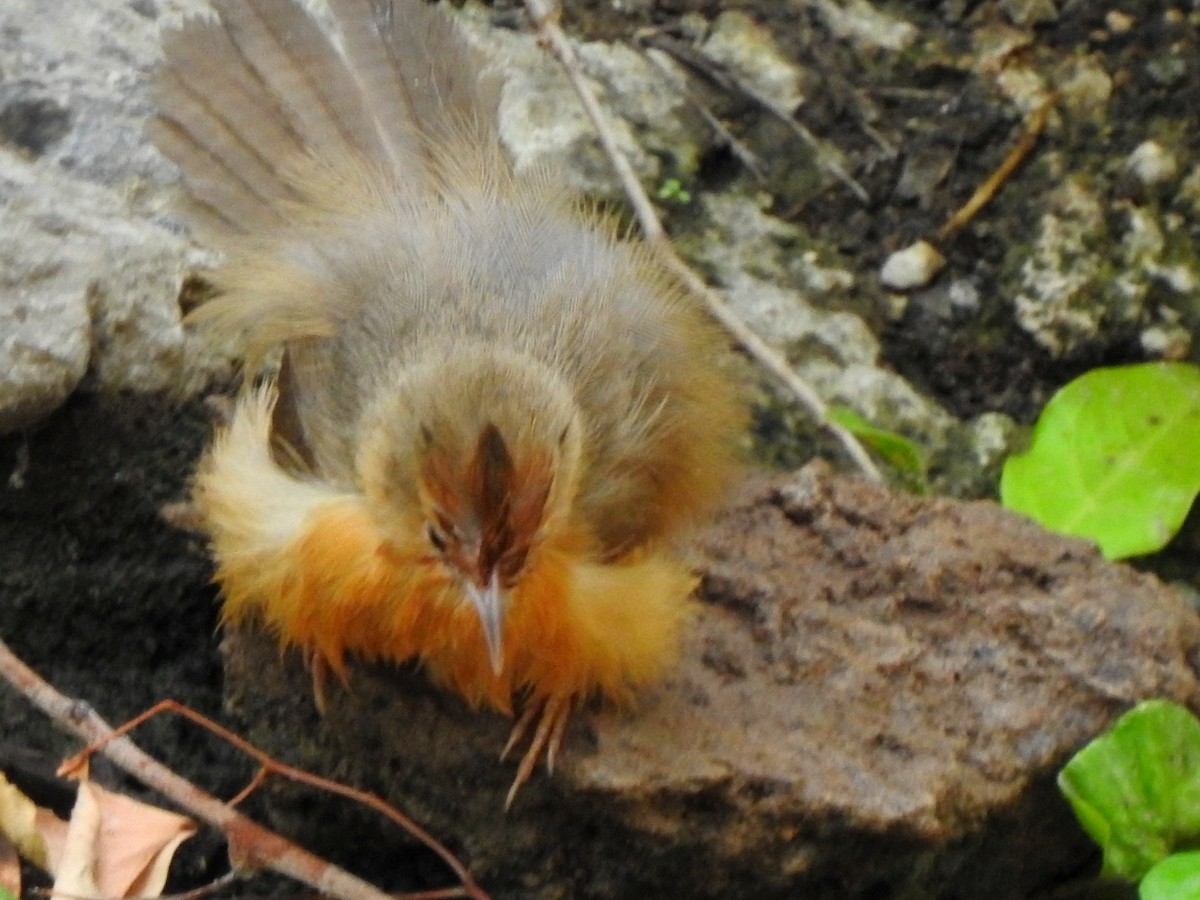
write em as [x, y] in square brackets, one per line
[75, 77]
[867, 26]
[91, 274]
[45, 326]
[1151, 163]
[543, 124]
[90, 289]
[769, 273]
[1031, 12]
[912, 267]
[749, 50]
[1080, 283]
[1085, 89]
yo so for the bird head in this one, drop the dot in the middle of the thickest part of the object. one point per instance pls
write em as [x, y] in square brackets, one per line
[480, 452]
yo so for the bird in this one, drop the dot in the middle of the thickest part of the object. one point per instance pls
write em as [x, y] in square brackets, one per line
[478, 417]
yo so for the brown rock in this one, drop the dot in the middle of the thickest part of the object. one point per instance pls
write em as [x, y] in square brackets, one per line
[873, 701]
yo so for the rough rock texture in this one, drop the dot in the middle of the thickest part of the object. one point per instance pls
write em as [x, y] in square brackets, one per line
[89, 297]
[1069, 292]
[752, 256]
[873, 700]
[89, 269]
[543, 125]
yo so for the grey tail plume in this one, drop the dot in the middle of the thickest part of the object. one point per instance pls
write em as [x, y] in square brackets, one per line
[246, 95]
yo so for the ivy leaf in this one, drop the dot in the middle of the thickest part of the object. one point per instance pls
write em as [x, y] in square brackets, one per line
[1114, 458]
[1136, 789]
[1175, 878]
[898, 451]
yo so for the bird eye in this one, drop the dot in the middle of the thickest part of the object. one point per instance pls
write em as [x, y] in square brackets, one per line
[436, 538]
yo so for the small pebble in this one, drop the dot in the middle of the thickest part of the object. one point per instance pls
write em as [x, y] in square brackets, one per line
[964, 296]
[912, 267]
[1151, 163]
[1118, 22]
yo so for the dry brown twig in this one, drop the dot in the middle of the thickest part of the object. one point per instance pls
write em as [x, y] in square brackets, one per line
[251, 846]
[268, 765]
[205, 890]
[983, 195]
[545, 15]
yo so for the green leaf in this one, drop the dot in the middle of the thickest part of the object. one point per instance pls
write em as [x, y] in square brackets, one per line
[1175, 878]
[1136, 789]
[673, 189]
[1115, 458]
[898, 451]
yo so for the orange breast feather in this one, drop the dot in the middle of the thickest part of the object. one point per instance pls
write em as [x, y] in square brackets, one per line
[312, 564]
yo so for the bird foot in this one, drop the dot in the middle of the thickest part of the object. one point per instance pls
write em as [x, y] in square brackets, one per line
[551, 715]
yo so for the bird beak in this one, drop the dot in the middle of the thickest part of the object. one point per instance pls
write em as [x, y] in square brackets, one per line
[490, 602]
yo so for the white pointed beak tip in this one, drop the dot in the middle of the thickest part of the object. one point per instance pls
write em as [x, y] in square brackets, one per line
[490, 603]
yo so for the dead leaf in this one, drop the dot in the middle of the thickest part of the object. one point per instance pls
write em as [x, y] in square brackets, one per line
[74, 867]
[18, 823]
[54, 834]
[137, 842]
[113, 845]
[125, 846]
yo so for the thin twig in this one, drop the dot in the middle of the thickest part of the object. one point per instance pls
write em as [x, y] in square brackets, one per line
[260, 776]
[545, 18]
[268, 764]
[825, 155]
[992, 184]
[545, 15]
[205, 890]
[750, 162]
[858, 95]
[251, 845]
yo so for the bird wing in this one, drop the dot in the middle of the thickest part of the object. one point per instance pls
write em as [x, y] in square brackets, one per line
[282, 542]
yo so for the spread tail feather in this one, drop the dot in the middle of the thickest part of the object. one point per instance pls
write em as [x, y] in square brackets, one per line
[248, 98]
[419, 76]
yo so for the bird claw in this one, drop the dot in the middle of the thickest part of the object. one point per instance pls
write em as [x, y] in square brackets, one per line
[320, 679]
[551, 715]
[518, 730]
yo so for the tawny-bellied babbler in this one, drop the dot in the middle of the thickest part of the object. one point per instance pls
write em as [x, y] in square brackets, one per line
[493, 414]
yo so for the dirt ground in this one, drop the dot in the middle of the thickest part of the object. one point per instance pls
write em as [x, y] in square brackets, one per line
[931, 104]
